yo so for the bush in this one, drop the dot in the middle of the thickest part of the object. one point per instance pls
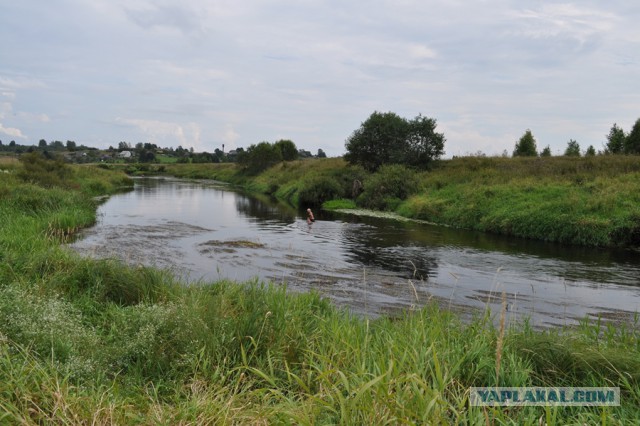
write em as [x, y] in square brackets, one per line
[44, 172]
[385, 189]
[319, 189]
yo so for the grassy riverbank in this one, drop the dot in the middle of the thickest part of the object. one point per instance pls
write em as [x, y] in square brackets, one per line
[592, 201]
[94, 341]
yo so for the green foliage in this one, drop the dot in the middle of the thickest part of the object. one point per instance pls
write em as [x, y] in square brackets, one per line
[526, 146]
[386, 138]
[616, 140]
[546, 152]
[318, 189]
[573, 149]
[43, 171]
[632, 142]
[587, 201]
[591, 151]
[288, 149]
[340, 204]
[260, 157]
[385, 189]
[424, 144]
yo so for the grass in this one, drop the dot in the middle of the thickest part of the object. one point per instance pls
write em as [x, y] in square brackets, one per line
[94, 341]
[584, 201]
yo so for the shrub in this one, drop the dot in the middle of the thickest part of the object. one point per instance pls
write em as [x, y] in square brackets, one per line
[386, 188]
[526, 146]
[319, 189]
[42, 171]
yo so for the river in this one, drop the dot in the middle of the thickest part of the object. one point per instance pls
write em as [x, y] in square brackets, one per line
[205, 231]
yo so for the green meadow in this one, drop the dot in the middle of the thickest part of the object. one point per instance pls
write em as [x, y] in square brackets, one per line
[86, 341]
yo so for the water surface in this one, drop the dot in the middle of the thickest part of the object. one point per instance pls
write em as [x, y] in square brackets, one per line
[205, 231]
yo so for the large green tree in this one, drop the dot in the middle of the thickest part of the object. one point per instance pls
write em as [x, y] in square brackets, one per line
[526, 146]
[387, 138]
[632, 141]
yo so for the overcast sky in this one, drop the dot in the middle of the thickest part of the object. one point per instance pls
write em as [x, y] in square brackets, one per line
[202, 73]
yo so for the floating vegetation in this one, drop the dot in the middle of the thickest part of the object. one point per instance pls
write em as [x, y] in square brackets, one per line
[382, 215]
[228, 246]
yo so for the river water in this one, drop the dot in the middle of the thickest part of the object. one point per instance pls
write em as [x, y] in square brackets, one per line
[204, 231]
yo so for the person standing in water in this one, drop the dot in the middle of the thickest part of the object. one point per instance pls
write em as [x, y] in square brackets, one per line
[310, 217]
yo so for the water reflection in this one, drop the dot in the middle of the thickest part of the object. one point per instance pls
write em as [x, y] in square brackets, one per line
[202, 230]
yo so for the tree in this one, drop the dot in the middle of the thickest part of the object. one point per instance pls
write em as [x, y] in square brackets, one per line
[321, 154]
[260, 157]
[71, 146]
[42, 143]
[546, 152]
[387, 138]
[287, 149]
[526, 146]
[616, 140]
[56, 145]
[591, 151]
[12, 144]
[632, 141]
[377, 138]
[573, 149]
[423, 143]
[146, 156]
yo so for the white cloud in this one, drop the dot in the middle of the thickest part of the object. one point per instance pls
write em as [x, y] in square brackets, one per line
[230, 137]
[166, 133]
[12, 131]
[567, 20]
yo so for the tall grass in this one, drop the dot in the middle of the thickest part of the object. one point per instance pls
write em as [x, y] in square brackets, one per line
[585, 201]
[87, 341]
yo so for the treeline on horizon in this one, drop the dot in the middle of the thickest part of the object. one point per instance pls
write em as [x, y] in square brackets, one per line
[384, 138]
[281, 150]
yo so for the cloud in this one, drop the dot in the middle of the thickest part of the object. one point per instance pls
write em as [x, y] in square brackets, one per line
[12, 131]
[176, 16]
[230, 137]
[166, 133]
[571, 28]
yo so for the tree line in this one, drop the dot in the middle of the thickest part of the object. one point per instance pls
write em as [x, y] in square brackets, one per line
[382, 139]
[255, 157]
[618, 142]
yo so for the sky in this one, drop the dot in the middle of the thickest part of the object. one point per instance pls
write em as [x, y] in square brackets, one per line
[207, 73]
